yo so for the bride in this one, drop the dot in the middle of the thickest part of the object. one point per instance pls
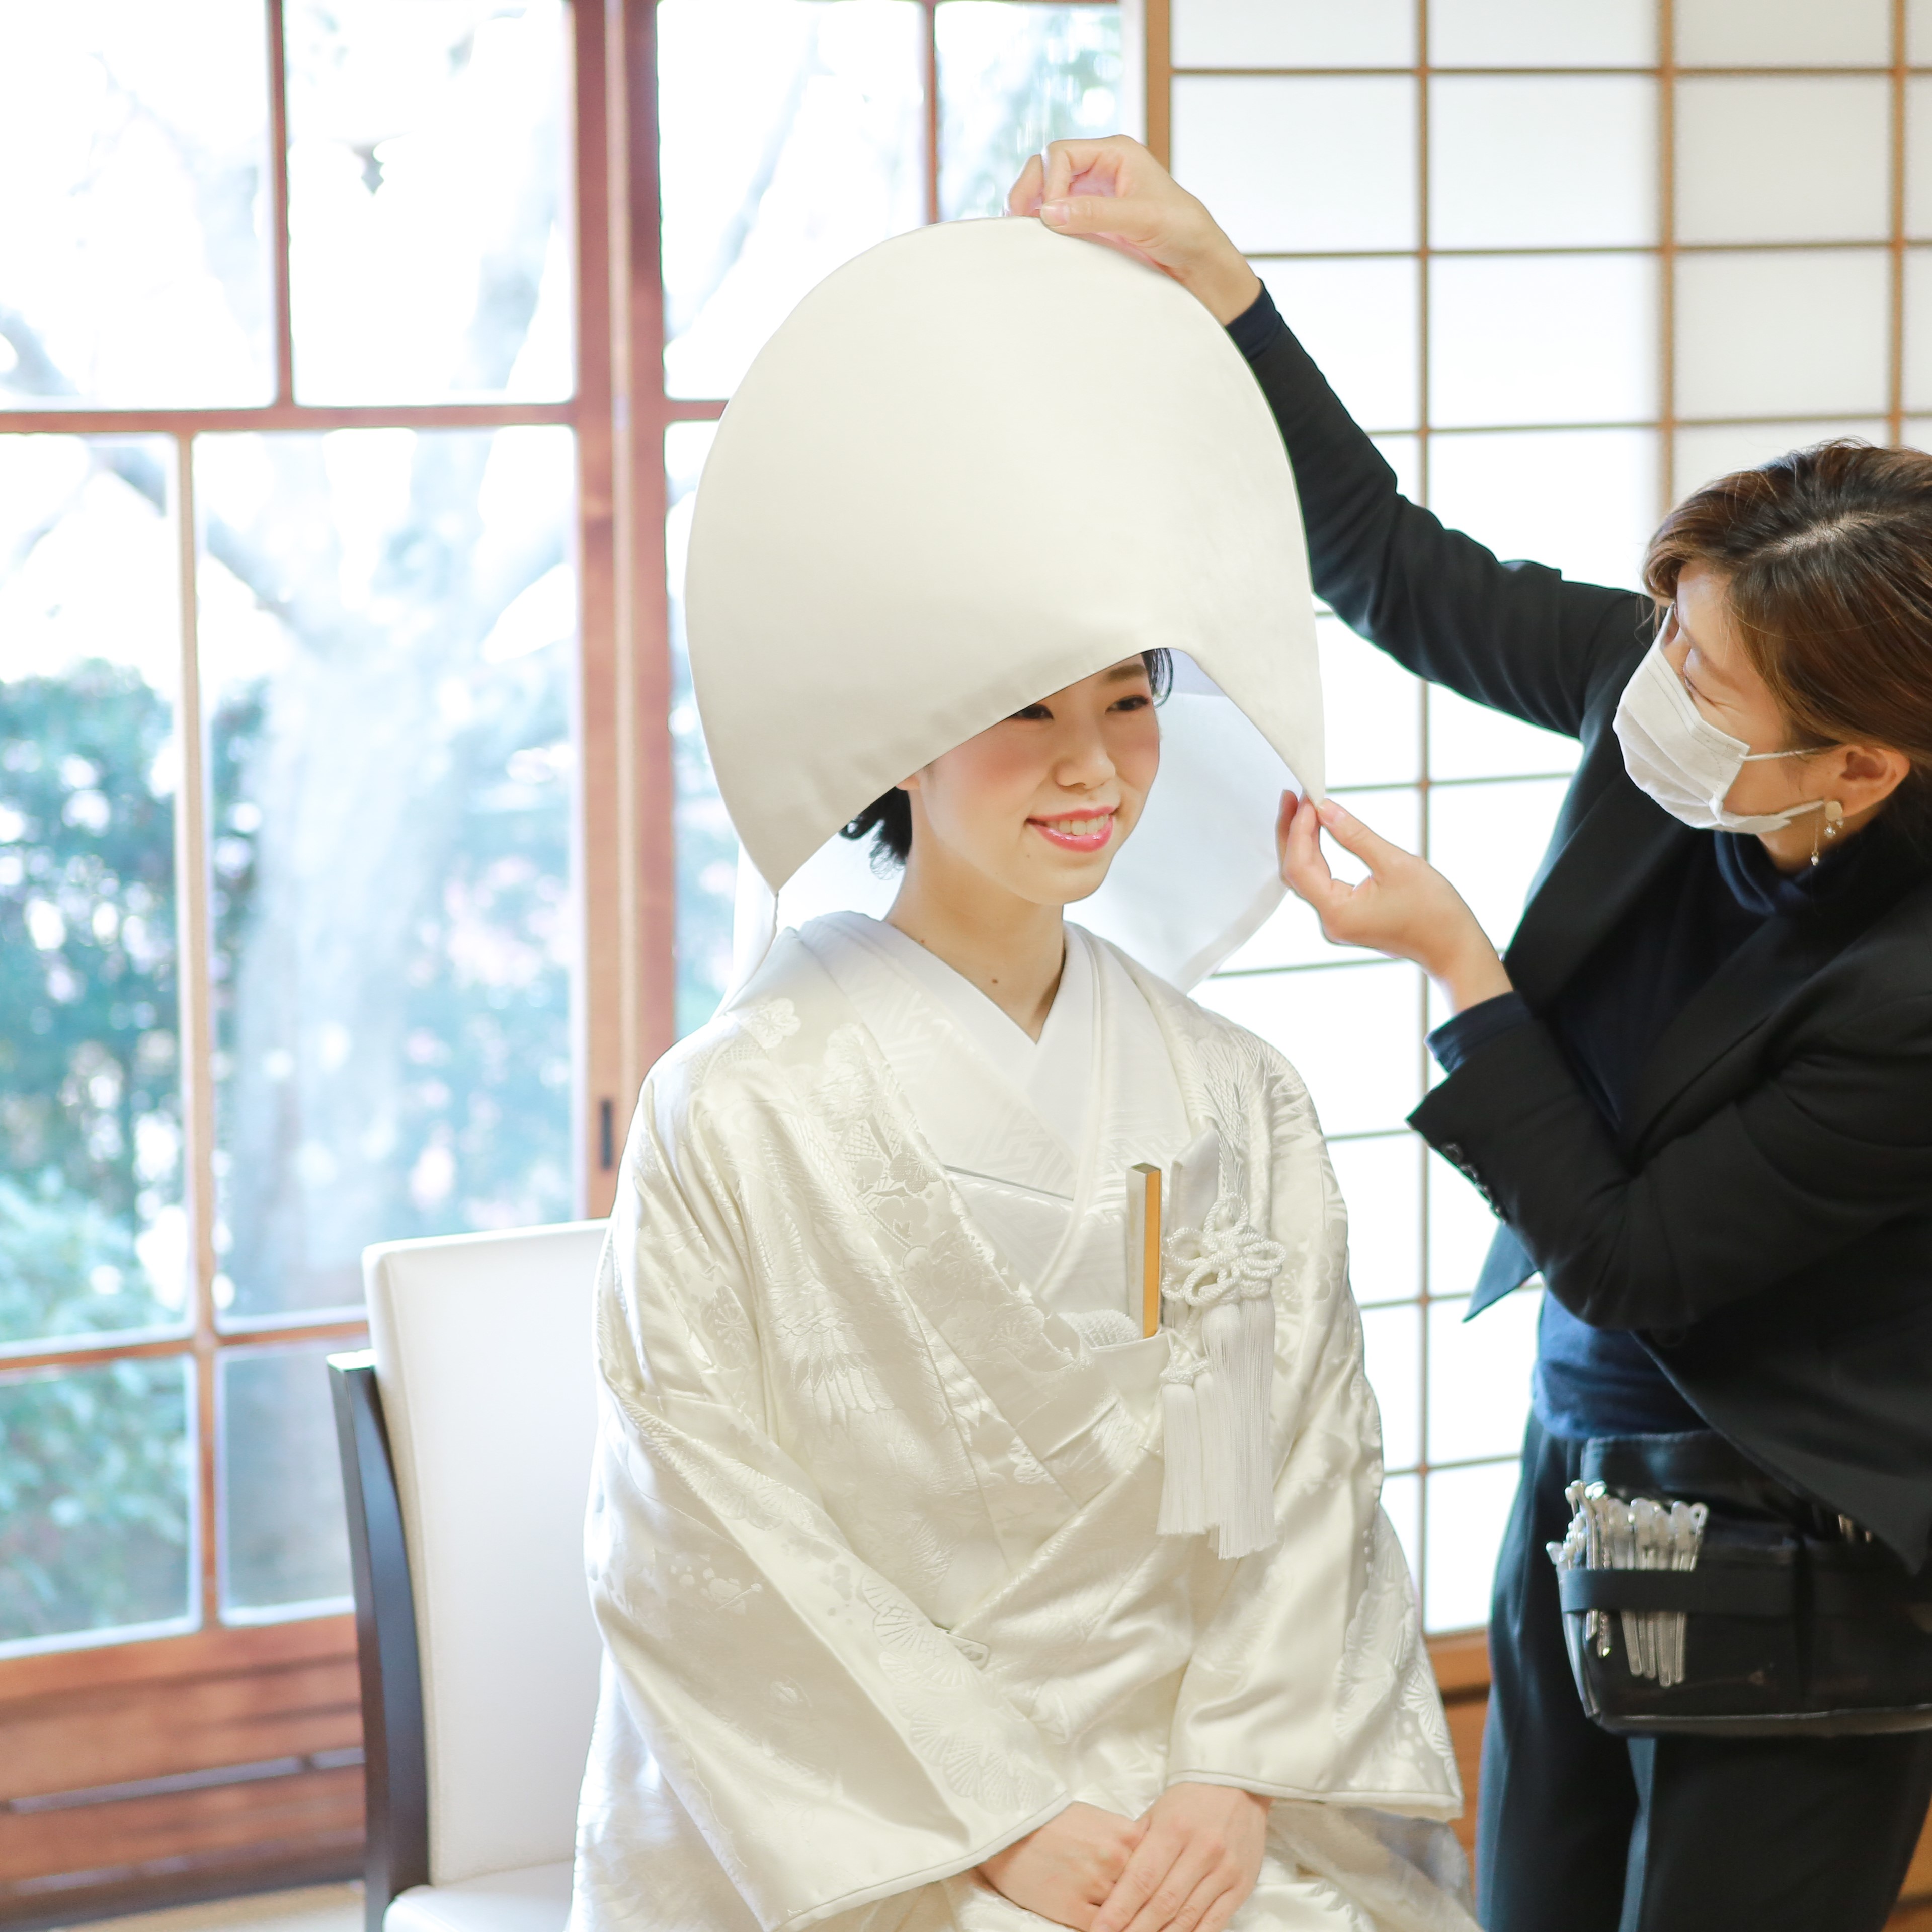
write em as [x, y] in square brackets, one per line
[986, 1528]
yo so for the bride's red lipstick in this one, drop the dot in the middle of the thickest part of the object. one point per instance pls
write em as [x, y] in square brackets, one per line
[1096, 829]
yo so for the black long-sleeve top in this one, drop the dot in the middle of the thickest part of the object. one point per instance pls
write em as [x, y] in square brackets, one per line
[1728, 1156]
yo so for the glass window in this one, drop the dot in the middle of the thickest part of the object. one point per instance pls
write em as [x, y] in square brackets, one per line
[1348, 145]
[387, 627]
[791, 138]
[1293, 33]
[96, 1534]
[133, 143]
[284, 1543]
[1783, 159]
[1014, 75]
[1547, 162]
[93, 1237]
[429, 252]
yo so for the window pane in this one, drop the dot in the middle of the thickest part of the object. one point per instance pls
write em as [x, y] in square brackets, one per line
[1381, 1179]
[388, 645]
[429, 237]
[95, 1467]
[92, 1235]
[1783, 33]
[134, 144]
[1542, 33]
[707, 847]
[284, 1534]
[1359, 320]
[1291, 935]
[1488, 840]
[1471, 741]
[1918, 157]
[1479, 1376]
[1583, 501]
[1703, 454]
[1350, 1031]
[1392, 1348]
[1542, 338]
[1918, 328]
[1918, 31]
[1542, 163]
[792, 135]
[1289, 167]
[1468, 1510]
[1013, 76]
[1783, 160]
[1773, 334]
[1293, 33]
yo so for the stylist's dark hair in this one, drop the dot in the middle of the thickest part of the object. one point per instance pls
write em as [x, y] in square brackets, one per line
[889, 819]
[1829, 554]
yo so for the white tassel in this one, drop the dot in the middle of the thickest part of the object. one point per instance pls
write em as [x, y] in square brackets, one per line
[1182, 1503]
[1241, 1343]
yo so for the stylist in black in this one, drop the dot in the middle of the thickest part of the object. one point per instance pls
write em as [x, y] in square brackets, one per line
[1697, 1088]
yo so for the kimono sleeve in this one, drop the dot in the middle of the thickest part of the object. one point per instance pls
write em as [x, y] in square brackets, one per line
[830, 1742]
[1311, 1680]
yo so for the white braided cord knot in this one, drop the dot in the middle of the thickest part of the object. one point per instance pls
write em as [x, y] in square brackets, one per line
[1226, 1258]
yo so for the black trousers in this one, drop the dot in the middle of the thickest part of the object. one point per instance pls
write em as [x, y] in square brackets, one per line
[1577, 1831]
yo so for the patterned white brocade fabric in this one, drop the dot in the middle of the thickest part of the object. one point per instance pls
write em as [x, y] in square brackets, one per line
[872, 1536]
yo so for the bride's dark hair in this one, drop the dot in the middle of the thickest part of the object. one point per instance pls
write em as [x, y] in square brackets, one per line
[888, 818]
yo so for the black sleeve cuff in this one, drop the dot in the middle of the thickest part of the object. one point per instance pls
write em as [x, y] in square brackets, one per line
[1257, 325]
[1454, 1041]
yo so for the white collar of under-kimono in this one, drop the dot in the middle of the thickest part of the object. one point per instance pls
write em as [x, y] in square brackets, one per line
[976, 465]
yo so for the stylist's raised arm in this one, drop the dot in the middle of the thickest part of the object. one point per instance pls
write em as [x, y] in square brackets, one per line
[1114, 191]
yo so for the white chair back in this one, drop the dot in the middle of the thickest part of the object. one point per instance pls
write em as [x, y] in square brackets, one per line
[484, 1363]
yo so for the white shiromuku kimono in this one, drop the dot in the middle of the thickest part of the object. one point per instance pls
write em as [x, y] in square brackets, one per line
[873, 1538]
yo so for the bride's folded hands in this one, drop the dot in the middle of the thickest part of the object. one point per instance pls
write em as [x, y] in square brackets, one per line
[1196, 1865]
[1068, 1869]
[1404, 908]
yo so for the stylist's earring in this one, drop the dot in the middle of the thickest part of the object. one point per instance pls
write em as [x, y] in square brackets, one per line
[1831, 819]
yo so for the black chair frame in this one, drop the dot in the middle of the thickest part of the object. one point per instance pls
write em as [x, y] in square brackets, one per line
[395, 1763]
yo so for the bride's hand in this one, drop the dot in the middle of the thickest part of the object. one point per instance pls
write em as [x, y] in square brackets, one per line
[1197, 1864]
[1404, 908]
[1066, 1870]
[1114, 191]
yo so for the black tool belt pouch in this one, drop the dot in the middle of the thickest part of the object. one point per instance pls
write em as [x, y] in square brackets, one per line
[1789, 1620]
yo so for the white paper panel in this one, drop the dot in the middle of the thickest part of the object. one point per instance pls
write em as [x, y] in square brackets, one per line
[1350, 1031]
[1289, 166]
[1293, 33]
[1292, 935]
[1528, 162]
[1918, 432]
[1479, 1372]
[1542, 33]
[1403, 455]
[1770, 335]
[1583, 501]
[1392, 1351]
[1358, 319]
[1783, 159]
[1542, 338]
[1468, 1510]
[1470, 741]
[1783, 33]
[1702, 454]
[1372, 710]
[1487, 840]
[1919, 157]
[1918, 31]
[1381, 1180]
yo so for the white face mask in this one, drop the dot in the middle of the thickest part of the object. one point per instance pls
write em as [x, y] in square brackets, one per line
[1676, 755]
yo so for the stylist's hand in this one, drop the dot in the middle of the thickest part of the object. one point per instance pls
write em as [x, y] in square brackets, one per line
[1195, 1867]
[1404, 906]
[1066, 1870]
[1114, 191]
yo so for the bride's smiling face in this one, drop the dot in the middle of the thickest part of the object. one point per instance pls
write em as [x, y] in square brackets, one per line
[1041, 802]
